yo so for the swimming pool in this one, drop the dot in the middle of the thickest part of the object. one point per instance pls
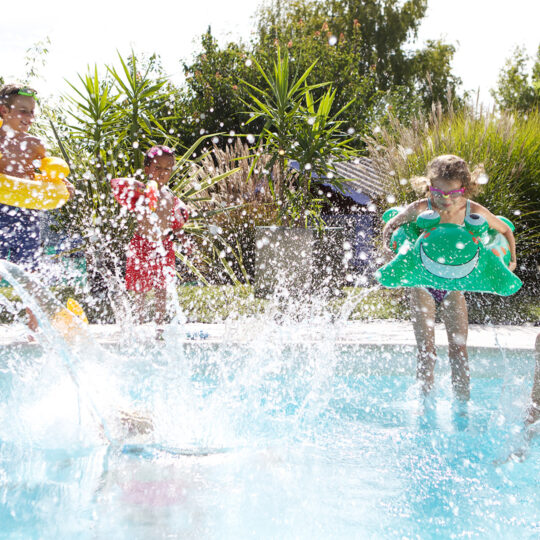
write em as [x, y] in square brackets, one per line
[262, 440]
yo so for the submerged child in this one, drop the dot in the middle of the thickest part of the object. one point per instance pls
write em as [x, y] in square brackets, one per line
[20, 155]
[150, 264]
[533, 413]
[449, 184]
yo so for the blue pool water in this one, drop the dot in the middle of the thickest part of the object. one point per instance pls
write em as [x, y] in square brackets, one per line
[261, 440]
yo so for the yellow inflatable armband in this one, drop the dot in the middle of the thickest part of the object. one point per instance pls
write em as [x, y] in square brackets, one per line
[68, 320]
[46, 191]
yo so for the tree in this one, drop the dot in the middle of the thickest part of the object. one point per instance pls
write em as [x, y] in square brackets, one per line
[516, 89]
[360, 47]
[212, 97]
[298, 128]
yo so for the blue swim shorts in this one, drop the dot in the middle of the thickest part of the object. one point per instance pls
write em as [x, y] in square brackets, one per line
[20, 235]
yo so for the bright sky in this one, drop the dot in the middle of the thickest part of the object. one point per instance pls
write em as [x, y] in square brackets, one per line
[485, 33]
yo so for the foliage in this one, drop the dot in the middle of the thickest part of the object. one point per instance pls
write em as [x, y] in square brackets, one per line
[517, 90]
[362, 48]
[212, 89]
[114, 120]
[35, 58]
[233, 208]
[508, 146]
[110, 121]
[297, 128]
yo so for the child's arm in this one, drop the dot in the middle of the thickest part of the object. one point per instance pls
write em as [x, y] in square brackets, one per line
[127, 191]
[36, 148]
[496, 224]
[180, 214]
[409, 214]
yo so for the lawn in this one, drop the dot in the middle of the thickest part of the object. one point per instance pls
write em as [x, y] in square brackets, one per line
[218, 303]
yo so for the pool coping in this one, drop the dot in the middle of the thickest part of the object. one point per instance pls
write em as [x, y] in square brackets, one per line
[346, 333]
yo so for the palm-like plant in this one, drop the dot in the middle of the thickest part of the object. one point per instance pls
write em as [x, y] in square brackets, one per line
[300, 128]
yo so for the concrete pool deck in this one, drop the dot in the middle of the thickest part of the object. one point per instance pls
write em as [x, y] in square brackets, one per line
[361, 333]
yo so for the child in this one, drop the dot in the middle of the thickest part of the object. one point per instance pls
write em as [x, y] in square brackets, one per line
[533, 413]
[20, 154]
[449, 183]
[150, 261]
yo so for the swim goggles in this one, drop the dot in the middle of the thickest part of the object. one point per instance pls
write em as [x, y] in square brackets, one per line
[454, 194]
[26, 92]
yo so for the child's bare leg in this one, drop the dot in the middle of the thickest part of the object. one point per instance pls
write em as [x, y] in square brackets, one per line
[32, 320]
[534, 410]
[139, 307]
[161, 309]
[423, 319]
[455, 316]
[161, 305]
[32, 324]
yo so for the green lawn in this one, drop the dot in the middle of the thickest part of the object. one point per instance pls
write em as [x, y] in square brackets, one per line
[218, 303]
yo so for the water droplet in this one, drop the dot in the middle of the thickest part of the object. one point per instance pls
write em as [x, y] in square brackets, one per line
[250, 139]
[376, 129]
[307, 167]
[215, 140]
[350, 131]
[517, 212]
[483, 179]
[248, 62]
[311, 120]
[332, 40]
[391, 199]
[136, 144]
[403, 181]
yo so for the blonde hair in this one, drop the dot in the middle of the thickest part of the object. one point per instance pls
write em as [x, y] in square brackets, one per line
[449, 167]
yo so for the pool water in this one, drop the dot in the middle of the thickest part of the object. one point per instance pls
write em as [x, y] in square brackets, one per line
[262, 440]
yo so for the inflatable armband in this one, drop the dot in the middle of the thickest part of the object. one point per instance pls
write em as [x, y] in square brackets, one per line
[134, 195]
[68, 320]
[46, 191]
[445, 256]
[152, 193]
